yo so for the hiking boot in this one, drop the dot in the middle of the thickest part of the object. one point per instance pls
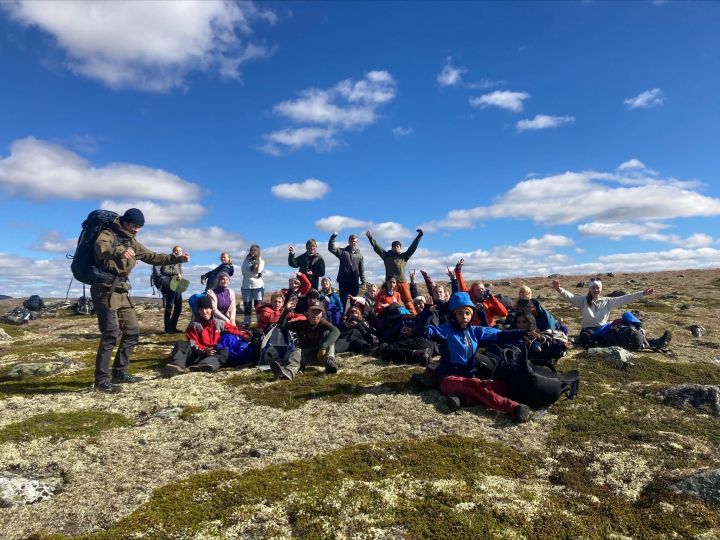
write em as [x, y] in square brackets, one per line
[330, 365]
[280, 372]
[123, 378]
[202, 368]
[422, 357]
[376, 352]
[522, 413]
[171, 370]
[662, 341]
[107, 388]
[453, 403]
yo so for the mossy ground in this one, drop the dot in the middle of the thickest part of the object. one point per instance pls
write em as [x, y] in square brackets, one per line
[67, 425]
[598, 466]
[314, 384]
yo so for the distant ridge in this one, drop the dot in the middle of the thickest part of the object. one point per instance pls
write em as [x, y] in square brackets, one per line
[5, 297]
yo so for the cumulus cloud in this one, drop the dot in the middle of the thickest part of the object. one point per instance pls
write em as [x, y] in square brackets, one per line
[544, 121]
[348, 105]
[52, 242]
[450, 75]
[646, 100]
[504, 99]
[385, 230]
[632, 164]
[308, 190]
[159, 214]
[400, 131]
[591, 196]
[200, 239]
[150, 45]
[40, 170]
[644, 231]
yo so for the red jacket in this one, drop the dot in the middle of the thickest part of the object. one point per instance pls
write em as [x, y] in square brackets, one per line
[492, 307]
[266, 316]
[383, 297]
[206, 334]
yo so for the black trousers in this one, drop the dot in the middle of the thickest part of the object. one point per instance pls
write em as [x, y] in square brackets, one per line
[352, 340]
[118, 325]
[173, 307]
[184, 355]
[401, 351]
[347, 289]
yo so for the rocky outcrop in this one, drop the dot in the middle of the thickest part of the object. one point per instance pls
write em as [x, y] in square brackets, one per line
[615, 356]
[693, 396]
[704, 485]
[16, 490]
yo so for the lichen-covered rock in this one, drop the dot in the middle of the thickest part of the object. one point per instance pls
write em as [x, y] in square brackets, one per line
[170, 412]
[34, 369]
[704, 485]
[693, 396]
[697, 330]
[615, 294]
[16, 490]
[615, 356]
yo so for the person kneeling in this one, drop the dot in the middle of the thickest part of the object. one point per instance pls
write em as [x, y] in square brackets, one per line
[200, 352]
[316, 339]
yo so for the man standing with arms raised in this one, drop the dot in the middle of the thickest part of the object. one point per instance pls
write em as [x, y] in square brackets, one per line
[351, 273]
[395, 262]
[116, 251]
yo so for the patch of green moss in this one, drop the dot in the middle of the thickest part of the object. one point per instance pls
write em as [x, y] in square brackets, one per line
[180, 509]
[656, 306]
[191, 410]
[435, 488]
[70, 382]
[12, 330]
[613, 408]
[312, 385]
[68, 425]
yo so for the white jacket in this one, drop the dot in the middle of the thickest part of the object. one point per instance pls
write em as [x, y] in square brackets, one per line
[597, 313]
[250, 279]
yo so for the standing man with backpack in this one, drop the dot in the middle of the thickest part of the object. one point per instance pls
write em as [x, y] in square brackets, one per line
[116, 251]
[173, 299]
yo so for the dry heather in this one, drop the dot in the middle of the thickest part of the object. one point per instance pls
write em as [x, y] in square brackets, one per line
[363, 454]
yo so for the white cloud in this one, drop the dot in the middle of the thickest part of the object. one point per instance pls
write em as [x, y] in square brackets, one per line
[572, 197]
[388, 230]
[644, 231]
[504, 99]
[338, 223]
[149, 45]
[400, 131]
[199, 239]
[40, 170]
[308, 190]
[646, 100]
[52, 242]
[631, 164]
[544, 121]
[450, 75]
[348, 105]
[159, 214]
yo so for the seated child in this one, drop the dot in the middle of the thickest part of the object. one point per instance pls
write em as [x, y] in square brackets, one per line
[457, 372]
[199, 352]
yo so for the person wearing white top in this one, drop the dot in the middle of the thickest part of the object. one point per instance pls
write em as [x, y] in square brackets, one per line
[253, 286]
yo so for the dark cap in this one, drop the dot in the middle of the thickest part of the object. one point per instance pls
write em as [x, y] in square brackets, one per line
[133, 215]
[204, 302]
[318, 307]
[396, 243]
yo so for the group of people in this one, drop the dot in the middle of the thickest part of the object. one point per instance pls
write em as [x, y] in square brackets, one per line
[470, 329]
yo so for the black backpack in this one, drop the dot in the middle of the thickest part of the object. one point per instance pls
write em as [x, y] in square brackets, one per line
[34, 303]
[83, 264]
[629, 337]
[84, 306]
[158, 280]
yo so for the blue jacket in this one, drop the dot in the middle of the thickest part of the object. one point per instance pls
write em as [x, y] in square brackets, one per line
[334, 307]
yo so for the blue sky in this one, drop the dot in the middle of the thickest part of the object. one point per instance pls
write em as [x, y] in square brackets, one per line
[529, 137]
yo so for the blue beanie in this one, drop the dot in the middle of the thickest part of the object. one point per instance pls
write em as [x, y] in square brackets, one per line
[133, 215]
[459, 300]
